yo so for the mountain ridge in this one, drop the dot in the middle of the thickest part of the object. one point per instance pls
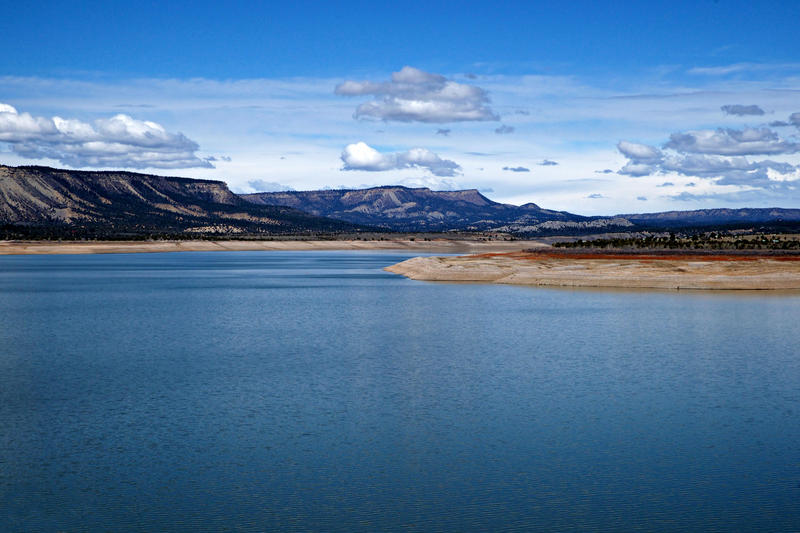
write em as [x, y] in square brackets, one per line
[400, 208]
[44, 199]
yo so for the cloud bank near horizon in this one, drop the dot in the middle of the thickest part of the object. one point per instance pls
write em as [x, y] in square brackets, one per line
[292, 132]
[119, 141]
[722, 157]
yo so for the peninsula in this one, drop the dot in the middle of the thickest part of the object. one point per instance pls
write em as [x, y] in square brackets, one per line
[548, 267]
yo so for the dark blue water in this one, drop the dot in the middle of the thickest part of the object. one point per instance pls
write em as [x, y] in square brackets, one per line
[312, 391]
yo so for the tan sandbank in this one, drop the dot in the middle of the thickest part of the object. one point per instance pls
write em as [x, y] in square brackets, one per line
[614, 271]
[112, 247]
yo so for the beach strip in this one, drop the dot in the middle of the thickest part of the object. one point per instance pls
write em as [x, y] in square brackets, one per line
[455, 246]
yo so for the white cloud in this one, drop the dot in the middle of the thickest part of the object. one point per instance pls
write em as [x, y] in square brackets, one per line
[643, 159]
[641, 153]
[637, 170]
[702, 165]
[119, 141]
[718, 156]
[726, 141]
[361, 156]
[413, 95]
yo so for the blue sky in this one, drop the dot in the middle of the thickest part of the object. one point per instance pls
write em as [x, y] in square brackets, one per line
[591, 107]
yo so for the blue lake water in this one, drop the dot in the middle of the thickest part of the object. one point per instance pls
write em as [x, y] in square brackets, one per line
[303, 391]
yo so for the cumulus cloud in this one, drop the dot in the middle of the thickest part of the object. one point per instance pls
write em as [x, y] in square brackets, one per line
[643, 158]
[742, 110]
[720, 156]
[711, 166]
[413, 95]
[604, 171]
[641, 153]
[732, 142]
[517, 169]
[361, 156]
[794, 118]
[504, 130]
[547, 163]
[666, 184]
[118, 141]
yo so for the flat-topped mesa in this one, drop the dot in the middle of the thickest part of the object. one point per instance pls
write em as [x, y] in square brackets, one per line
[412, 209]
[34, 193]
[74, 203]
[390, 194]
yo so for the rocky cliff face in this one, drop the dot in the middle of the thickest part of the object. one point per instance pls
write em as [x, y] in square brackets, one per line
[110, 203]
[413, 209]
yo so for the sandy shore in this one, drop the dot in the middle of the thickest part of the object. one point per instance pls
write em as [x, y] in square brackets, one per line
[127, 247]
[654, 272]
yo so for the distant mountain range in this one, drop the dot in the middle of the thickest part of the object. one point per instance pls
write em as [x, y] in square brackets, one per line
[46, 202]
[420, 209]
[715, 217]
[406, 209]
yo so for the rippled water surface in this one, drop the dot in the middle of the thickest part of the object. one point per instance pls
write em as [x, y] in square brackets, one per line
[313, 391]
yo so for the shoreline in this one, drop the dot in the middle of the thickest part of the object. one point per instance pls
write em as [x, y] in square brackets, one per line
[459, 246]
[679, 271]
